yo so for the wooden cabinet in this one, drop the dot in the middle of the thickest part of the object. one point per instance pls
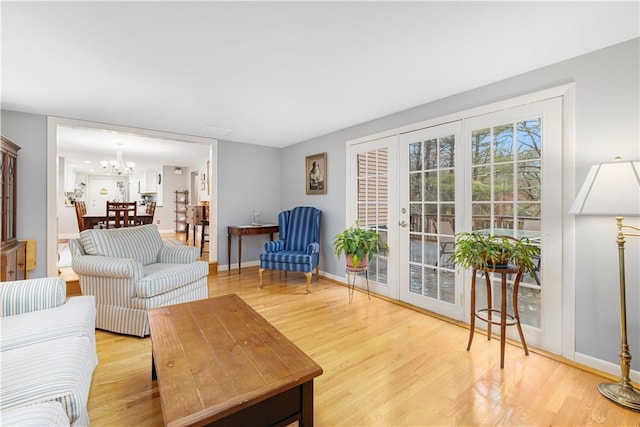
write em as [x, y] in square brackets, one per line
[14, 262]
[13, 254]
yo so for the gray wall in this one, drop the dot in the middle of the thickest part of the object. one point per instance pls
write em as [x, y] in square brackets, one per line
[260, 178]
[607, 124]
[29, 131]
[249, 179]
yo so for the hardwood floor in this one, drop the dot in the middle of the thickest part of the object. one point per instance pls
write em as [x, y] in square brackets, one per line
[384, 365]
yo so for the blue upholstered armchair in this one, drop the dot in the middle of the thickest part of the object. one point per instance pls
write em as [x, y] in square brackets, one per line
[299, 246]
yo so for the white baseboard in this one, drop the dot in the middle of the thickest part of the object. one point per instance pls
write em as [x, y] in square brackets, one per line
[604, 366]
[225, 266]
[68, 236]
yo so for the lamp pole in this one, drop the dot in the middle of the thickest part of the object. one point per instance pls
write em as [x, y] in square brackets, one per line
[623, 393]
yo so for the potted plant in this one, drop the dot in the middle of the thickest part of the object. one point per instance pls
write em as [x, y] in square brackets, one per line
[359, 245]
[481, 250]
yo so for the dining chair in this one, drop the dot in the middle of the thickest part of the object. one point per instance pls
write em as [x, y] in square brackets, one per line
[149, 210]
[81, 209]
[121, 214]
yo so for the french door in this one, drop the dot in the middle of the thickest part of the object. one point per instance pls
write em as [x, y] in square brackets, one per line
[372, 184]
[430, 183]
[497, 171]
[513, 187]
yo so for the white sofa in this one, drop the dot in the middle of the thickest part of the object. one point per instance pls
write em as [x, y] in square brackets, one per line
[131, 270]
[48, 352]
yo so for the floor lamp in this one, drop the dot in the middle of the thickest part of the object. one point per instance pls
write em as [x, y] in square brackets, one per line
[613, 189]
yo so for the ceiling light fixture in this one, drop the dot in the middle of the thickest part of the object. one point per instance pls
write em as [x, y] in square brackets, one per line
[117, 166]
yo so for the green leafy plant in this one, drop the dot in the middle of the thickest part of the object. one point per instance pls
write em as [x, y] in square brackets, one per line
[359, 243]
[480, 250]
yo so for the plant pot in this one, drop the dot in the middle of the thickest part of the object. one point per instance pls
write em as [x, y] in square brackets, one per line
[362, 263]
[497, 262]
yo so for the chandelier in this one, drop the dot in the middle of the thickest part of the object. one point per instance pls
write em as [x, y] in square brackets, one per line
[117, 166]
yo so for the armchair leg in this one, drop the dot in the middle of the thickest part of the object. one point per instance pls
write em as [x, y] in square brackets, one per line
[308, 276]
[260, 271]
[317, 272]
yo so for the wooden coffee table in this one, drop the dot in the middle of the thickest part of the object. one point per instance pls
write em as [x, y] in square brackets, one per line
[219, 362]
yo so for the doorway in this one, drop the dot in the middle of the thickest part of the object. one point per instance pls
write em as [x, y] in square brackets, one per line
[55, 192]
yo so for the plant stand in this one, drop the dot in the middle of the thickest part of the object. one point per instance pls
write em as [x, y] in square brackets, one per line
[352, 285]
[486, 314]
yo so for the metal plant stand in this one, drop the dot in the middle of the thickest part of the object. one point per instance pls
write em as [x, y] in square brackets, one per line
[352, 285]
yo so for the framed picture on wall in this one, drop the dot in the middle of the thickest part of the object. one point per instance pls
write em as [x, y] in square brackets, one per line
[316, 174]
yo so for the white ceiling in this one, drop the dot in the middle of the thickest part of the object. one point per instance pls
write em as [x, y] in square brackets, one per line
[277, 73]
[83, 148]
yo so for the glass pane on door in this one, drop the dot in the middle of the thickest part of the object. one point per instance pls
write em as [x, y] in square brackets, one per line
[506, 173]
[431, 192]
[373, 204]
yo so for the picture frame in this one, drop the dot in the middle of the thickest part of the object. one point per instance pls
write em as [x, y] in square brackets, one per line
[316, 174]
[203, 186]
[203, 177]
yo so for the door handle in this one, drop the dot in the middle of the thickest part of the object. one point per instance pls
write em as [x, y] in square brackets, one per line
[403, 223]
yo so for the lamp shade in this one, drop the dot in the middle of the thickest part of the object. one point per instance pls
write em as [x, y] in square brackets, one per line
[610, 189]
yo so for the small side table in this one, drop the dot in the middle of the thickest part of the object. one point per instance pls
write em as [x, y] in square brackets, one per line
[486, 314]
[247, 230]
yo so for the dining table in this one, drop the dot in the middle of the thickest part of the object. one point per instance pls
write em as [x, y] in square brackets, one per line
[92, 220]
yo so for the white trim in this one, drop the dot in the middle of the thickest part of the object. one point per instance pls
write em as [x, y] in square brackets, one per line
[604, 366]
[568, 226]
[471, 112]
[52, 179]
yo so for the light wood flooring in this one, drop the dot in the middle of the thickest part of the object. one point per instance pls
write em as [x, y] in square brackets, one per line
[384, 365]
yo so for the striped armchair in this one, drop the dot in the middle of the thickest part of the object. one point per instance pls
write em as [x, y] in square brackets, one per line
[131, 270]
[48, 353]
[298, 247]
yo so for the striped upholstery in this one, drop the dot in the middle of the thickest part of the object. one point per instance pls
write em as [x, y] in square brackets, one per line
[299, 246]
[48, 353]
[36, 294]
[130, 270]
[141, 243]
[40, 415]
[75, 318]
[57, 370]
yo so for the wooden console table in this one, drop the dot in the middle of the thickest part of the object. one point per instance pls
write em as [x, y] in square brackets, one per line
[219, 363]
[246, 230]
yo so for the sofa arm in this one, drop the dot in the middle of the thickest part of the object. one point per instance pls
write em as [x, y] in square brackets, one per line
[23, 296]
[274, 246]
[77, 317]
[313, 248]
[178, 254]
[96, 265]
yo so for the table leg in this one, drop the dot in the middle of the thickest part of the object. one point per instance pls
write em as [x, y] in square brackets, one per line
[239, 251]
[154, 375]
[229, 250]
[306, 410]
[516, 314]
[186, 228]
[487, 279]
[472, 327]
[503, 318]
